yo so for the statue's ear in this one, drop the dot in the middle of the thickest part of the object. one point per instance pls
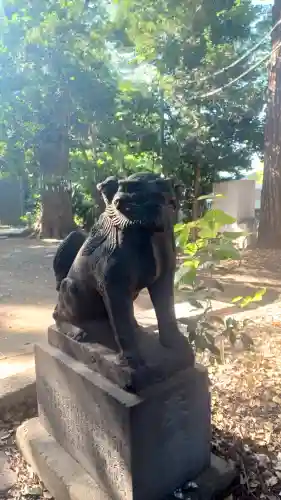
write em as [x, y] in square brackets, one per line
[179, 188]
[125, 185]
[108, 187]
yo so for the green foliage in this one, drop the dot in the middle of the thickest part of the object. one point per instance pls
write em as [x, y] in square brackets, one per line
[185, 49]
[211, 247]
[33, 214]
[245, 301]
[88, 91]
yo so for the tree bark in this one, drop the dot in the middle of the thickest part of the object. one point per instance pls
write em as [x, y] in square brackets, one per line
[270, 219]
[57, 218]
[196, 203]
[53, 155]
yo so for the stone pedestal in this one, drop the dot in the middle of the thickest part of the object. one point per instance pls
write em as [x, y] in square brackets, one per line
[135, 448]
[124, 446]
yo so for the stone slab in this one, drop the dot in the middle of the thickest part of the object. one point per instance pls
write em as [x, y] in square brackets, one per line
[67, 480]
[134, 447]
[60, 473]
[99, 352]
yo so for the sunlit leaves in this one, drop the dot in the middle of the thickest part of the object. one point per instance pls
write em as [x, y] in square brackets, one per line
[201, 251]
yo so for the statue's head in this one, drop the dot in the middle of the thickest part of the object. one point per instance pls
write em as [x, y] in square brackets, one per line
[147, 198]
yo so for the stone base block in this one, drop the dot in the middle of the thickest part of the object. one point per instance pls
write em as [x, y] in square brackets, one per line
[134, 448]
[67, 480]
[100, 353]
[61, 474]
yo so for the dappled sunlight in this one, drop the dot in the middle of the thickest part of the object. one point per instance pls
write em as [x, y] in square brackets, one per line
[45, 244]
[22, 326]
[15, 366]
[25, 318]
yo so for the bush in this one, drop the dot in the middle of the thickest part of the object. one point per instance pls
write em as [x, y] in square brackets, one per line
[204, 245]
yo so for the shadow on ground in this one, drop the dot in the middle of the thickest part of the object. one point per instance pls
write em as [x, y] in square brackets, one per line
[254, 463]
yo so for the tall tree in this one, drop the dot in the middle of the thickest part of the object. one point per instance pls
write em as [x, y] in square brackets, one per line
[211, 128]
[270, 220]
[57, 89]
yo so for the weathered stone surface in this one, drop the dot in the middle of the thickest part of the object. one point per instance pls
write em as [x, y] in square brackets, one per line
[134, 448]
[8, 477]
[100, 354]
[67, 480]
[60, 473]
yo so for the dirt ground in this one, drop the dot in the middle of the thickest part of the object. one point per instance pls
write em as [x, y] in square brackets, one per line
[27, 293]
[258, 269]
[27, 289]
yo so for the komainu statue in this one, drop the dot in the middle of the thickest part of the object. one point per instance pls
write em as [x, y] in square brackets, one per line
[130, 248]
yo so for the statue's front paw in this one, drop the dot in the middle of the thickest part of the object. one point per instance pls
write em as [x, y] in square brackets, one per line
[134, 361]
[180, 345]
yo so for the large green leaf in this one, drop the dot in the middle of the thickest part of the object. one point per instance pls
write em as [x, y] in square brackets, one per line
[217, 216]
[210, 196]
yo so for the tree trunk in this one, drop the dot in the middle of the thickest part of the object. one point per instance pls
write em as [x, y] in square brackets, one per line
[53, 155]
[270, 220]
[195, 205]
[57, 218]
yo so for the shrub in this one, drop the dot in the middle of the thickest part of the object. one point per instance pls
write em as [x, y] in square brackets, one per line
[204, 244]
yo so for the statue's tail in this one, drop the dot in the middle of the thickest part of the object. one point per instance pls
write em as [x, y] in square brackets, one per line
[66, 253]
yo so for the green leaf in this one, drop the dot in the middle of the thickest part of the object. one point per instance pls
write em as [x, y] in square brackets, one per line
[185, 275]
[218, 216]
[225, 251]
[191, 263]
[256, 297]
[234, 235]
[208, 233]
[210, 196]
[179, 227]
[246, 301]
[191, 249]
[237, 299]
[259, 295]
[183, 235]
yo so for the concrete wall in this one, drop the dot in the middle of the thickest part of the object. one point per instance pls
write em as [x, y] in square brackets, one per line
[239, 198]
[239, 202]
[11, 201]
